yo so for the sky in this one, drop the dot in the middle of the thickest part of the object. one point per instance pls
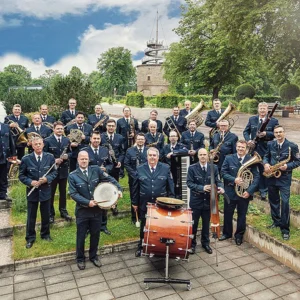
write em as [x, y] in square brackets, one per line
[59, 34]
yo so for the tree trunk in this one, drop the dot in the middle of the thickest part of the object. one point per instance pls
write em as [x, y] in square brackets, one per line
[215, 92]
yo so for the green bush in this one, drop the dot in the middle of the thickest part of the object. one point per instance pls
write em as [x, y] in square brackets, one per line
[225, 103]
[135, 99]
[244, 91]
[248, 106]
[168, 100]
[267, 98]
[289, 91]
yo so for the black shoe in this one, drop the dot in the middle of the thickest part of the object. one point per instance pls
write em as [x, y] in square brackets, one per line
[286, 236]
[29, 245]
[7, 199]
[81, 265]
[223, 238]
[115, 211]
[238, 241]
[207, 249]
[96, 262]
[106, 231]
[48, 239]
[51, 220]
[193, 250]
[272, 226]
[263, 198]
[65, 215]
[138, 253]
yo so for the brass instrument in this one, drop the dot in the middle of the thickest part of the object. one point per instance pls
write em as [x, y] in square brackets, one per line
[214, 153]
[154, 144]
[275, 169]
[225, 116]
[14, 168]
[100, 122]
[32, 135]
[172, 126]
[75, 136]
[111, 151]
[245, 174]
[73, 121]
[195, 114]
[48, 124]
[18, 132]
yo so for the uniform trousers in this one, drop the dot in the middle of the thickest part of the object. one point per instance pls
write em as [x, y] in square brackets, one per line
[3, 180]
[93, 225]
[20, 152]
[241, 206]
[142, 219]
[282, 220]
[205, 215]
[62, 186]
[32, 208]
[130, 183]
[262, 186]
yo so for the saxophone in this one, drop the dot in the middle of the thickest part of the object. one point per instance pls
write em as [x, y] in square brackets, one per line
[154, 144]
[275, 169]
[246, 175]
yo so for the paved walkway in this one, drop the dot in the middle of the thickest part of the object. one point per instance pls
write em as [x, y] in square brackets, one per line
[243, 273]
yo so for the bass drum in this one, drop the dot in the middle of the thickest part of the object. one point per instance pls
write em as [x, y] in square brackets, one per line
[170, 224]
[106, 194]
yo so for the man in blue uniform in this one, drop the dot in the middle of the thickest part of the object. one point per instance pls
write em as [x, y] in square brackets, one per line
[134, 157]
[7, 150]
[99, 156]
[45, 116]
[283, 152]
[153, 117]
[96, 118]
[229, 172]
[214, 114]
[175, 122]
[32, 173]
[82, 184]
[69, 114]
[153, 179]
[226, 139]
[17, 120]
[199, 183]
[252, 130]
[86, 130]
[59, 146]
[185, 111]
[193, 139]
[154, 138]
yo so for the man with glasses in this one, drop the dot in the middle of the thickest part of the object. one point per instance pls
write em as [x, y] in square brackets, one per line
[97, 117]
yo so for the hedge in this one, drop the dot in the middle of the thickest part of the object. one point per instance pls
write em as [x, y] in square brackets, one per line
[267, 98]
[135, 99]
[244, 91]
[248, 106]
[168, 100]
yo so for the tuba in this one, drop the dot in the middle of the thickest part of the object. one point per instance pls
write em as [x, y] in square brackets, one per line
[225, 116]
[246, 174]
[195, 114]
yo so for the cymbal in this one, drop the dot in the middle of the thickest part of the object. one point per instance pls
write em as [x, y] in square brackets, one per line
[169, 201]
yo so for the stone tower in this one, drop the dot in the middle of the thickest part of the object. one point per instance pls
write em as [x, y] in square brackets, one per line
[150, 74]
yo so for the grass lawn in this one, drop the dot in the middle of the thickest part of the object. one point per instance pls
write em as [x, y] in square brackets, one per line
[296, 173]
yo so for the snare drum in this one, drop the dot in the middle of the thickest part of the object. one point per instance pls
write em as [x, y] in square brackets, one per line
[167, 224]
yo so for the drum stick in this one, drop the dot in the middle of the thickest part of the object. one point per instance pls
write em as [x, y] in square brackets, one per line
[137, 223]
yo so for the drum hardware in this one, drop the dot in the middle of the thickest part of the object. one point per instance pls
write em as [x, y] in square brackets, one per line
[188, 222]
[149, 245]
[149, 217]
[147, 230]
[189, 235]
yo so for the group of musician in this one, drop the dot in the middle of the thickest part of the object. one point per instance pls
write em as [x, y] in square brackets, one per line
[75, 146]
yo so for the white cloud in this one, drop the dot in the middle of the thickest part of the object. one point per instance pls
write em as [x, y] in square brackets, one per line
[95, 41]
[13, 22]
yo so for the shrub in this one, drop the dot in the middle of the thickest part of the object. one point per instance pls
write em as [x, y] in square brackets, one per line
[289, 91]
[267, 98]
[168, 100]
[225, 103]
[248, 106]
[244, 91]
[135, 99]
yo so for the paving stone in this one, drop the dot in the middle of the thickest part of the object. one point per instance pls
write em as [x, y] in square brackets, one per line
[159, 292]
[138, 296]
[30, 294]
[241, 280]
[8, 297]
[112, 267]
[195, 293]
[171, 297]
[28, 276]
[56, 271]
[265, 295]
[251, 288]
[8, 289]
[174, 270]
[271, 262]
[195, 264]
[117, 274]
[263, 273]
[65, 295]
[236, 254]
[126, 290]
[59, 278]
[110, 259]
[29, 285]
[244, 261]
[61, 286]
[94, 288]
[210, 278]
[202, 271]
[142, 269]
[136, 261]
[150, 274]
[86, 273]
[281, 269]
[232, 273]
[212, 259]
[218, 287]
[294, 296]
[285, 289]
[106, 295]
[90, 280]
[261, 256]
[291, 275]
[6, 281]
[42, 298]
[273, 281]
[121, 282]
[226, 265]
[253, 267]
[228, 249]
[228, 294]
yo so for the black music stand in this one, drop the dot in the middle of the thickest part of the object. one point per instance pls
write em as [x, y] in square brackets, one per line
[167, 279]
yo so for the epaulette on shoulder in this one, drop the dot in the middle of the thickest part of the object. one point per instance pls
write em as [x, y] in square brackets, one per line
[72, 172]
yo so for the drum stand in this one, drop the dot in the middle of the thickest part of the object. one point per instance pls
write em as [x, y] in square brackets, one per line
[167, 279]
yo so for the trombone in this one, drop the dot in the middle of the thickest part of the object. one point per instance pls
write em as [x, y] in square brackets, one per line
[172, 126]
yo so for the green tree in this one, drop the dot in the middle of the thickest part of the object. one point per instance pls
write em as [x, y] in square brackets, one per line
[289, 91]
[116, 71]
[21, 72]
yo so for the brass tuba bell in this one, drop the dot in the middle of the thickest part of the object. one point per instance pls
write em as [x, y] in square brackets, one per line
[195, 114]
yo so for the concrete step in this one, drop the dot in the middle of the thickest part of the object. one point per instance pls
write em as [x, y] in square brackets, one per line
[6, 229]
[6, 261]
[3, 204]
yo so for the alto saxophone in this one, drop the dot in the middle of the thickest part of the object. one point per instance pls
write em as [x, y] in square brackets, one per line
[274, 170]
[154, 143]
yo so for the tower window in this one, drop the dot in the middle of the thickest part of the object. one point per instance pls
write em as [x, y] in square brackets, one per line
[148, 78]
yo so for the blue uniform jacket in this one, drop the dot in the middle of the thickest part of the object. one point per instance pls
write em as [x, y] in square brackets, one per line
[197, 140]
[228, 147]
[82, 189]
[212, 117]
[123, 128]
[145, 124]
[92, 120]
[183, 112]
[7, 145]
[23, 124]
[66, 116]
[133, 159]
[196, 180]
[44, 132]
[229, 172]
[179, 148]
[103, 158]
[118, 145]
[251, 130]
[274, 155]
[180, 125]
[49, 119]
[30, 171]
[147, 186]
[159, 138]
[52, 146]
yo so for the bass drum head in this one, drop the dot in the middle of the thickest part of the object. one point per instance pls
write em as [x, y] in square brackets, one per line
[106, 194]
